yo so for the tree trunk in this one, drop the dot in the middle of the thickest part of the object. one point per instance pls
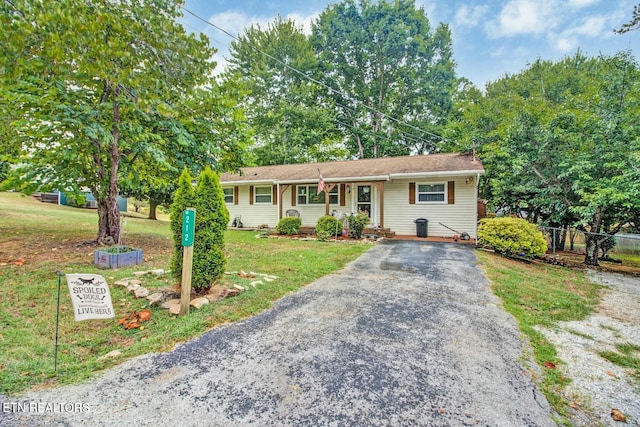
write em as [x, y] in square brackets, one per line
[152, 209]
[108, 212]
[592, 239]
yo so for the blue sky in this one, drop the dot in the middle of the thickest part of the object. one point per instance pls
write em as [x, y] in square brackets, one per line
[490, 38]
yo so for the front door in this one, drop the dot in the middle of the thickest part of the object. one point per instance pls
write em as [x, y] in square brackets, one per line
[363, 202]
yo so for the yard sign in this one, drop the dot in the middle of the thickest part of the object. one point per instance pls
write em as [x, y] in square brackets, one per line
[90, 296]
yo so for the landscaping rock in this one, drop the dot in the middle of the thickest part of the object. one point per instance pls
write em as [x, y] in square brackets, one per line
[231, 292]
[169, 303]
[134, 282]
[155, 298]
[238, 287]
[199, 302]
[141, 292]
[122, 282]
[174, 308]
[256, 282]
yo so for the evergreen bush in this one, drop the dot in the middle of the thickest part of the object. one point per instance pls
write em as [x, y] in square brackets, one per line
[212, 219]
[512, 237]
[289, 225]
[184, 198]
[328, 226]
[357, 223]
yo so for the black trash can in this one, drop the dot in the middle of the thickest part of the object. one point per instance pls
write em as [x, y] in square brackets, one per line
[421, 227]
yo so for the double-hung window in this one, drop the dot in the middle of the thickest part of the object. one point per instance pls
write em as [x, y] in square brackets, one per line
[431, 193]
[228, 195]
[263, 195]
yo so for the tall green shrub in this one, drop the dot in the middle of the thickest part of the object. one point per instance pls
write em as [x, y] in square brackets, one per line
[184, 198]
[212, 219]
[512, 237]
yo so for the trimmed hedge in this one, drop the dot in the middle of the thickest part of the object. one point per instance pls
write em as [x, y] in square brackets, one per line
[289, 225]
[328, 226]
[512, 237]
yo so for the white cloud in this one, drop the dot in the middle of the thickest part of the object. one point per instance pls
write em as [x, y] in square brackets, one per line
[470, 16]
[591, 27]
[579, 4]
[520, 17]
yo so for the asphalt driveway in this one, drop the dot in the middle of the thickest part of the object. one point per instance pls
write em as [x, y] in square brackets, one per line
[409, 334]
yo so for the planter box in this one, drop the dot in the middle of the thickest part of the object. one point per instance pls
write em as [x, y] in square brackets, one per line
[111, 259]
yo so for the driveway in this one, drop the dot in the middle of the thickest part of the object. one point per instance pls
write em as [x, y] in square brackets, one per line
[409, 334]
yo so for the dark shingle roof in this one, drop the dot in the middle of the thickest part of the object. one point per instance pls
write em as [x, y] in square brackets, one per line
[352, 170]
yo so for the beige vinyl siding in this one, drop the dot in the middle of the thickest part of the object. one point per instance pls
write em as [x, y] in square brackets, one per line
[253, 215]
[461, 216]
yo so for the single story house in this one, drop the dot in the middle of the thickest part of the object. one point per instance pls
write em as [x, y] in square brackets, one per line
[394, 191]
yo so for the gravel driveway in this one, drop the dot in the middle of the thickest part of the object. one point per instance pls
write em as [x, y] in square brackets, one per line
[408, 334]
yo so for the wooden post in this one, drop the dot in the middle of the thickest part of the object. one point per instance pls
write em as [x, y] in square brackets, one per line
[187, 265]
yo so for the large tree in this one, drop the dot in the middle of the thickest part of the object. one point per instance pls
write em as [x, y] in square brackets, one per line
[390, 75]
[85, 75]
[560, 141]
[290, 123]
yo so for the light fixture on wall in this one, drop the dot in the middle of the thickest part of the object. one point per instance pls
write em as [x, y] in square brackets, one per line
[469, 180]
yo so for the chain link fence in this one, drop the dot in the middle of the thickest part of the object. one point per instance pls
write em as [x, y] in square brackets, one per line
[573, 240]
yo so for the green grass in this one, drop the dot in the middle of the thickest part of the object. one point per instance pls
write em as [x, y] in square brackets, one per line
[540, 295]
[38, 239]
[626, 356]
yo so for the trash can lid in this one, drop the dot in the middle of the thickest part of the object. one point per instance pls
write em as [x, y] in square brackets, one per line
[420, 220]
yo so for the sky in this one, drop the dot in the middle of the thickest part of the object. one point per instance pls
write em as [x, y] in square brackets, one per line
[490, 38]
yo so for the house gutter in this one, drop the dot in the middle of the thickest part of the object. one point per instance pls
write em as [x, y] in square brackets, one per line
[434, 174]
[337, 180]
[248, 182]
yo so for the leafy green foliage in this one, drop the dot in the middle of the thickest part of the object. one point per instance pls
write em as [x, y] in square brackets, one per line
[288, 122]
[357, 223]
[212, 219]
[560, 141]
[382, 60]
[184, 198]
[512, 237]
[289, 225]
[328, 226]
[85, 81]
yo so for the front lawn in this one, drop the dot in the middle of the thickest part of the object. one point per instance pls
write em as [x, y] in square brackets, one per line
[37, 239]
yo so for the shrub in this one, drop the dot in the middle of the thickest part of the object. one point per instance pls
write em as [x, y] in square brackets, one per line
[512, 237]
[357, 223]
[289, 225]
[328, 226]
[183, 199]
[76, 200]
[212, 218]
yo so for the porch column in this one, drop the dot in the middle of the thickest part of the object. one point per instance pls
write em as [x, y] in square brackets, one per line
[380, 186]
[282, 189]
[327, 188]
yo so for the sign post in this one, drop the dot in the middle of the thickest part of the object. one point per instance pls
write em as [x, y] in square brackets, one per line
[188, 232]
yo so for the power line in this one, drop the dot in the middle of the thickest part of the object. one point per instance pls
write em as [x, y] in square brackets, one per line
[311, 79]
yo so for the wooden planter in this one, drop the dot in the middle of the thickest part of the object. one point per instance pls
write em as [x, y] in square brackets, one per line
[116, 257]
